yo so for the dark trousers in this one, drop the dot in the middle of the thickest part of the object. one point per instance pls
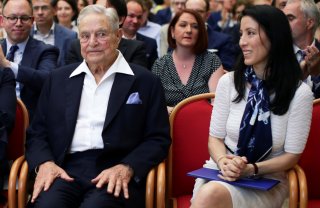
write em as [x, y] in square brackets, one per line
[81, 192]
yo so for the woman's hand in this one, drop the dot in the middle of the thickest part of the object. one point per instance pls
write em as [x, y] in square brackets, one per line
[233, 167]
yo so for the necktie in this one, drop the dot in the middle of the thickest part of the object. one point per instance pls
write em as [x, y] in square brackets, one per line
[301, 55]
[10, 55]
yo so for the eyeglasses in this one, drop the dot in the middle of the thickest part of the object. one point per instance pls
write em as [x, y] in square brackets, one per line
[14, 19]
[101, 36]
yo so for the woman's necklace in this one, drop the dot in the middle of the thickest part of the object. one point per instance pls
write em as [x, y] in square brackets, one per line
[184, 65]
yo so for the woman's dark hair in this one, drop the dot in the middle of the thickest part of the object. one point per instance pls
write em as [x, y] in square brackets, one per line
[73, 5]
[202, 42]
[282, 73]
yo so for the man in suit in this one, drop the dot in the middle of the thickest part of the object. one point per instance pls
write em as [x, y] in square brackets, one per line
[29, 59]
[49, 32]
[164, 16]
[131, 26]
[133, 51]
[7, 116]
[216, 40]
[100, 126]
[304, 18]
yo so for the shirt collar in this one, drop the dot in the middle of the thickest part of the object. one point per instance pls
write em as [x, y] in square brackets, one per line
[296, 48]
[21, 45]
[35, 28]
[120, 65]
[134, 37]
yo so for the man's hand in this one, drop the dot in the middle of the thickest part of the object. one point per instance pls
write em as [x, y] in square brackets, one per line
[117, 178]
[311, 63]
[4, 63]
[47, 173]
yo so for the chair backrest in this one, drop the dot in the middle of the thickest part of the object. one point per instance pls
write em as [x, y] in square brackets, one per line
[18, 134]
[189, 123]
[309, 159]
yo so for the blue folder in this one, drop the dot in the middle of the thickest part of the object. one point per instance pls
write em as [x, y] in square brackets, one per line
[212, 174]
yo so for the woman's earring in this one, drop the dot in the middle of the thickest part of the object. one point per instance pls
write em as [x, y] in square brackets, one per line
[173, 37]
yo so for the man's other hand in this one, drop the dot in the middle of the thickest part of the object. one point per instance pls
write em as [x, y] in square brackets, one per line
[117, 178]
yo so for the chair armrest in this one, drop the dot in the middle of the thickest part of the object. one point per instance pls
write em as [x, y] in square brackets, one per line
[150, 188]
[293, 188]
[303, 188]
[12, 198]
[22, 191]
[161, 185]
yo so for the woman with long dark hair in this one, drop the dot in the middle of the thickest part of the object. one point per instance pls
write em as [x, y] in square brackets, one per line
[261, 116]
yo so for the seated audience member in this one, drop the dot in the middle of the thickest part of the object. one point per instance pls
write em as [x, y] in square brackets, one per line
[165, 15]
[46, 30]
[189, 69]
[148, 27]
[81, 4]
[219, 42]
[30, 60]
[280, 4]
[133, 50]
[131, 25]
[7, 116]
[66, 13]
[223, 16]
[302, 13]
[2, 31]
[99, 127]
[258, 127]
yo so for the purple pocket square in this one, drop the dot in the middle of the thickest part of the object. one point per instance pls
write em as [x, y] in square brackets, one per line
[134, 99]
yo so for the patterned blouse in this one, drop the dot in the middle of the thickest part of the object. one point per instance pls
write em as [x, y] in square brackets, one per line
[205, 64]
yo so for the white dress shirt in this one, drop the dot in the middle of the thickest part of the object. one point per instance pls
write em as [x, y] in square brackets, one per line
[94, 105]
[17, 59]
[46, 38]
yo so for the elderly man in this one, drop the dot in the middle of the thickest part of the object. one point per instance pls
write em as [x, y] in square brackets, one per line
[304, 18]
[100, 126]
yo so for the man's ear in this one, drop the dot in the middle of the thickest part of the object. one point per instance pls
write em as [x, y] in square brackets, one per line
[119, 34]
[1, 20]
[310, 23]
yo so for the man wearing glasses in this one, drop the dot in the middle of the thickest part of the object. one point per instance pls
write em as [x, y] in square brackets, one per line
[30, 60]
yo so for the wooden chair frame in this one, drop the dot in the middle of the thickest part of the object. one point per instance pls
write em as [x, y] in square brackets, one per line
[19, 161]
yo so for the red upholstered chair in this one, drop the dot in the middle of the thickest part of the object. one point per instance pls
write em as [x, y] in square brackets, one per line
[189, 123]
[16, 143]
[309, 160]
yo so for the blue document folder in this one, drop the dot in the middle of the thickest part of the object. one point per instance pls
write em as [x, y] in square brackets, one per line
[212, 174]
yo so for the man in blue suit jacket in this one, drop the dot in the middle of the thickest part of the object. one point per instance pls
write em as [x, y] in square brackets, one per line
[47, 31]
[217, 41]
[100, 126]
[33, 60]
[132, 24]
[223, 43]
[164, 16]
